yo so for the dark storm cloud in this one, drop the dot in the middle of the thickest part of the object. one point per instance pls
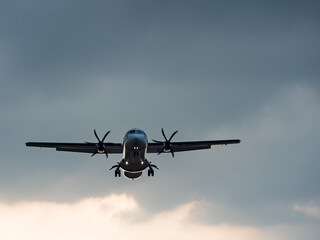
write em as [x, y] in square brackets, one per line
[228, 52]
[247, 50]
[173, 41]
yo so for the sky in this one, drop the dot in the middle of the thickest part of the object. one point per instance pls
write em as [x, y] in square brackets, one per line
[210, 69]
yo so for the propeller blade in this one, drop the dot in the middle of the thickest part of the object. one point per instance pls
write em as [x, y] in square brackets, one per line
[94, 153]
[105, 136]
[157, 141]
[172, 135]
[105, 151]
[172, 152]
[162, 150]
[164, 134]
[95, 133]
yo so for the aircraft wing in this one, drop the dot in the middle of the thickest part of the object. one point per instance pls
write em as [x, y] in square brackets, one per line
[77, 147]
[190, 146]
[118, 148]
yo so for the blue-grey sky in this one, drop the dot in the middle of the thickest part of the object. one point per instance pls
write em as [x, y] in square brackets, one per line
[210, 69]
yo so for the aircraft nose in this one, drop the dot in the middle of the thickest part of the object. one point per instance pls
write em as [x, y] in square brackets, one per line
[137, 141]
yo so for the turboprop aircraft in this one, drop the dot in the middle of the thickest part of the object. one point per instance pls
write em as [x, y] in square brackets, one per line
[134, 148]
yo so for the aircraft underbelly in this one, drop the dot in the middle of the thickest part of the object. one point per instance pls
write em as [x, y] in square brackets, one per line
[132, 175]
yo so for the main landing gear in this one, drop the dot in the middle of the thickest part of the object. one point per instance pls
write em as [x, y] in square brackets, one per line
[150, 170]
[117, 172]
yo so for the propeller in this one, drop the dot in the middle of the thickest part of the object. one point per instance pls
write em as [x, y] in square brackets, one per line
[100, 145]
[166, 144]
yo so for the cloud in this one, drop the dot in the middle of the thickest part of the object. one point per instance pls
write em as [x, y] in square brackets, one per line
[119, 217]
[85, 219]
[311, 209]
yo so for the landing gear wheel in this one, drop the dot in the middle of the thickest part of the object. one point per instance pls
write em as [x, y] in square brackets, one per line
[117, 173]
[150, 173]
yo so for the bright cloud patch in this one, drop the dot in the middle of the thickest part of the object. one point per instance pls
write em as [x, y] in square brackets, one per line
[86, 219]
[119, 217]
[309, 209]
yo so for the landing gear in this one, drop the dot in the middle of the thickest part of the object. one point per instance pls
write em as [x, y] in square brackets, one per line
[150, 172]
[117, 173]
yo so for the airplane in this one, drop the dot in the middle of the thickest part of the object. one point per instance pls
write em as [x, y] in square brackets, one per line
[134, 148]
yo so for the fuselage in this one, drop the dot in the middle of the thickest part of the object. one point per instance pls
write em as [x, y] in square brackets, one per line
[135, 144]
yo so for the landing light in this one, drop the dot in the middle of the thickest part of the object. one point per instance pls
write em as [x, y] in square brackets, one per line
[142, 162]
[127, 162]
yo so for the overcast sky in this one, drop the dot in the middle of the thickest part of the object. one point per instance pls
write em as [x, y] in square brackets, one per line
[210, 69]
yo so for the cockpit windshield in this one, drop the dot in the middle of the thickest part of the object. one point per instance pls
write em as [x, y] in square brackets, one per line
[136, 131]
